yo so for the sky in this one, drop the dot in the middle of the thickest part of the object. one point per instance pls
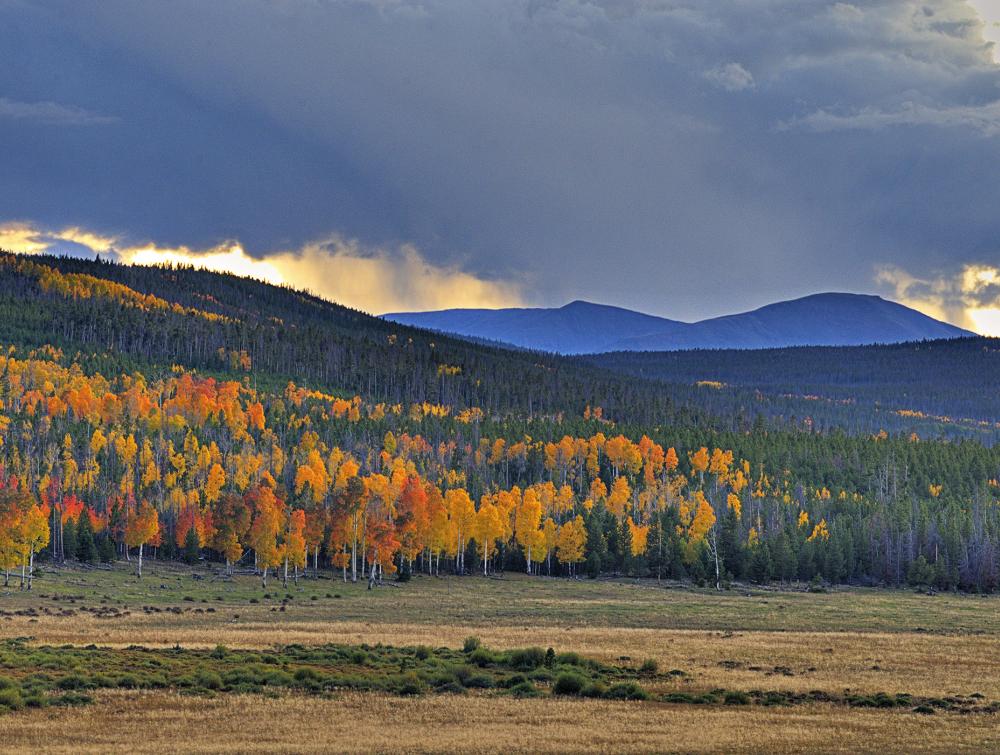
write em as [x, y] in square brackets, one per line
[680, 157]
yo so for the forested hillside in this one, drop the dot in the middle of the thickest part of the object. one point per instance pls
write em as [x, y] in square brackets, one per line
[125, 317]
[933, 387]
[200, 415]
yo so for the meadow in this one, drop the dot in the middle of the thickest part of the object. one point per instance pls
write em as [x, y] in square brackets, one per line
[326, 665]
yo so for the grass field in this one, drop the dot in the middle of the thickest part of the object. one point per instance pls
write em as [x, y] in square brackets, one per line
[812, 654]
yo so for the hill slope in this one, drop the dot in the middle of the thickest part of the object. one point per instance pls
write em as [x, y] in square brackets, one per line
[831, 319]
[117, 319]
[124, 317]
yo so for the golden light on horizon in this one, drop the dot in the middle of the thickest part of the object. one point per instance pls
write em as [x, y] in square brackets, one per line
[223, 259]
[372, 279]
[986, 321]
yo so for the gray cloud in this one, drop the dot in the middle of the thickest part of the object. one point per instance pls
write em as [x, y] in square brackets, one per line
[575, 146]
[982, 118]
[51, 113]
[732, 77]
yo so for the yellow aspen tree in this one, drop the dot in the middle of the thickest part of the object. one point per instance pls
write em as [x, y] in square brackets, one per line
[142, 525]
[550, 536]
[571, 543]
[527, 519]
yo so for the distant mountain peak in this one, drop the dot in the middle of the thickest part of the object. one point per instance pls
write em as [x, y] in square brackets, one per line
[827, 318]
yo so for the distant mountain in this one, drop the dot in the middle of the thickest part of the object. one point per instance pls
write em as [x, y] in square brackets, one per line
[829, 319]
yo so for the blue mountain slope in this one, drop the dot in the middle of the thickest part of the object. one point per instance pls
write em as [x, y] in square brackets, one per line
[576, 328]
[829, 319]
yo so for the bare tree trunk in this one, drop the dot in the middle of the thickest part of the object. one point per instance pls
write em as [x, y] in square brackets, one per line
[354, 559]
[714, 548]
[138, 571]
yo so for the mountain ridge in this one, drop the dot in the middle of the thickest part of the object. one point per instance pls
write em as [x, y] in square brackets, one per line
[582, 327]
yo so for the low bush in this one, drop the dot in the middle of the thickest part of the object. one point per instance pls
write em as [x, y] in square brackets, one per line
[523, 689]
[649, 667]
[470, 644]
[526, 659]
[10, 699]
[568, 683]
[569, 659]
[626, 691]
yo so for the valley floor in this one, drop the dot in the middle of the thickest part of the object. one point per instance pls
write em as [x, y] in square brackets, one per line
[846, 642]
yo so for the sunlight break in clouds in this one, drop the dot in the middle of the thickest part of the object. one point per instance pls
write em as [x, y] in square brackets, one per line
[969, 298]
[989, 11]
[373, 280]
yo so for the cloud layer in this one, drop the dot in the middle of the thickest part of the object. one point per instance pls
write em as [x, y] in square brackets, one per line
[373, 280]
[677, 156]
[50, 113]
[969, 297]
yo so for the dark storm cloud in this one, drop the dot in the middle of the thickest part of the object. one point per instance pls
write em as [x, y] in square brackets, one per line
[686, 158]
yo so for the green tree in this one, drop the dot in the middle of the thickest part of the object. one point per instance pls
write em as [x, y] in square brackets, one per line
[192, 548]
[86, 548]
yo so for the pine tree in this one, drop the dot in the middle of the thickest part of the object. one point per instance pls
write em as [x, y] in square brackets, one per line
[106, 549]
[760, 564]
[86, 548]
[69, 538]
[192, 548]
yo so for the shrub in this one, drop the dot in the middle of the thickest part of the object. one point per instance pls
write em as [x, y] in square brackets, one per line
[568, 683]
[513, 681]
[450, 688]
[736, 698]
[73, 699]
[422, 653]
[10, 699]
[626, 691]
[482, 657]
[241, 677]
[526, 659]
[523, 689]
[409, 684]
[594, 689]
[219, 653]
[208, 679]
[306, 674]
[471, 644]
[461, 673]
[277, 679]
[479, 681]
[678, 697]
[649, 667]
[569, 659]
[73, 681]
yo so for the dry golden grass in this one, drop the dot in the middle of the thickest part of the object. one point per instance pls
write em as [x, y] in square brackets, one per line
[166, 722]
[864, 640]
[920, 664]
